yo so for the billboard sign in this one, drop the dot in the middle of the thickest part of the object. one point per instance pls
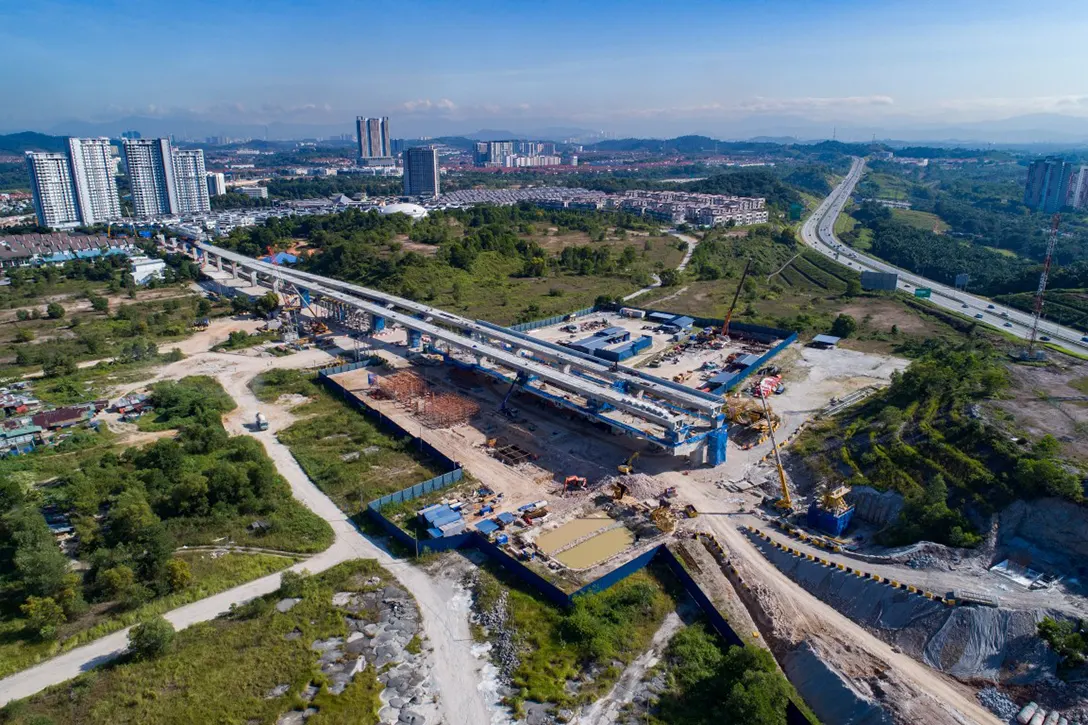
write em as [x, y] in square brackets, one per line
[923, 292]
[885, 281]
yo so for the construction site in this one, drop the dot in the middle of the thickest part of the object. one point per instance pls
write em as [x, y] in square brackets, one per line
[589, 440]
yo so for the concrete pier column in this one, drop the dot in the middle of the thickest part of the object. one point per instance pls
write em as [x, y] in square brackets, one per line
[219, 263]
[253, 278]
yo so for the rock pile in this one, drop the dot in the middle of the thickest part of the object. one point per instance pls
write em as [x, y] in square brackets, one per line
[503, 638]
[409, 696]
[998, 703]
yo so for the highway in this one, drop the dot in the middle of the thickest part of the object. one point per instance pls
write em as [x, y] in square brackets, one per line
[818, 232]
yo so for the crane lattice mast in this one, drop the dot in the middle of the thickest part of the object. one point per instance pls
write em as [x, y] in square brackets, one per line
[1037, 312]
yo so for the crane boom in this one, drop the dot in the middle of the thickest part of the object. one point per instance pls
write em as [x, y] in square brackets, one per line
[1037, 311]
[736, 296]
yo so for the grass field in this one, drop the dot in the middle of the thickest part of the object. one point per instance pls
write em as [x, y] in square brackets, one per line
[222, 671]
[345, 454]
[602, 630]
[920, 220]
[19, 649]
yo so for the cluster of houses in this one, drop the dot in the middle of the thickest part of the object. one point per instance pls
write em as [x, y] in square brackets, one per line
[29, 424]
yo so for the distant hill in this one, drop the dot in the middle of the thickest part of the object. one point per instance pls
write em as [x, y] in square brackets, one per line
[17, 143]
[681, 145]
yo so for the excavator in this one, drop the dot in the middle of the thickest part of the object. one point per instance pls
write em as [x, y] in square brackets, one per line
[619, 490]
[574, 483]
[628, 466]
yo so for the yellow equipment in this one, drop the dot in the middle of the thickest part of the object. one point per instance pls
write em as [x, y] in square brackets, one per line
[690, 511]
[834, 499]
[628, 466]
[785, 503]
[619, 491]
[663, 518]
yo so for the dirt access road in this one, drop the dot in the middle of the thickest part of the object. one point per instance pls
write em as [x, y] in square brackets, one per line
[456, 671]
[915, 691]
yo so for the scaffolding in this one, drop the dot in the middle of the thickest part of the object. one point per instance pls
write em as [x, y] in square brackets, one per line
[402, 387]
[444, 410]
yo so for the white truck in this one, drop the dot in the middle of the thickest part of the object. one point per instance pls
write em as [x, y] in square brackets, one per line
[261, 423]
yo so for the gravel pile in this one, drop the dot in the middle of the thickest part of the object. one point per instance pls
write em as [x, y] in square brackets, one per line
[998, 703]
[924, 561]
[639, 485]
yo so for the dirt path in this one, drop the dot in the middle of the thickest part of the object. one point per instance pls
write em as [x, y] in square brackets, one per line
[456, 671]
[917, 692]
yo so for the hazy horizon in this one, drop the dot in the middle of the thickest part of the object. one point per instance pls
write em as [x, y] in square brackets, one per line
[998, 70]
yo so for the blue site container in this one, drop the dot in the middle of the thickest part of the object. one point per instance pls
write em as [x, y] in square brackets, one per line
[828, 521]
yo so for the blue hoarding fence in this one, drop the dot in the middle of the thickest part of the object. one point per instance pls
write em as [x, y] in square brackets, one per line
[739, 377]
[526, 326]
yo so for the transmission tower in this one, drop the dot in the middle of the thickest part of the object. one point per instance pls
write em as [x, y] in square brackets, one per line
[1037, 313]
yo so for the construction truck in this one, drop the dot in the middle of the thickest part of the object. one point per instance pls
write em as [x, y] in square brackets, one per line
[261, 423]
[201, 324]
[690, 511]
[628, 466]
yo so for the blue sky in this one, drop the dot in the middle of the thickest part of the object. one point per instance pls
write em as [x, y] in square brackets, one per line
[652, 68]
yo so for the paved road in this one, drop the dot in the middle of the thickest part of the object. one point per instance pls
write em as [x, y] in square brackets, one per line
[818, 232]
[456, 670]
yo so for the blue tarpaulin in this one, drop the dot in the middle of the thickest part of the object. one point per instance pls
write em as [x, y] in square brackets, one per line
[487, 527]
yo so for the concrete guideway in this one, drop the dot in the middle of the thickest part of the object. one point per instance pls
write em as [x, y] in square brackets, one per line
[456, 669]
[383, 304]
[818, 232]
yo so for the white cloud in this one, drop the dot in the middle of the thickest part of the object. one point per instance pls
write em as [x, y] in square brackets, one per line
[426, 105]
[1072, 104]
[760, 104]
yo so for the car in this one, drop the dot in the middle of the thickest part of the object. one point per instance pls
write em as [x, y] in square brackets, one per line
[978, 316]
[1008, 324]
[965, 305]
[1084, 339]
[1044, 338]
[990, 307]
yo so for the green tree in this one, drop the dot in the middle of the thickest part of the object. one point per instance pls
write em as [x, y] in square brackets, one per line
[24, 334]
[150, 639]
[41, 567]
[853, 287]
[117, 582]
[266, 304]
[43, 615]
[178, 574]
[669, 278]
[99, 303]
[844, 326]
[54, 311]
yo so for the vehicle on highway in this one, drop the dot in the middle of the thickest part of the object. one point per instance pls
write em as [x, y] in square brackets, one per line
[978, 316]
[1004, 313]
[965, 305]
[1084, 339]
[990, 307]
[1045, 338]
[1008, 324]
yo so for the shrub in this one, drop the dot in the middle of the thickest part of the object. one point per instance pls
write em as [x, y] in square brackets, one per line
[54, 311]
[178, 574]
[43, 615]
[150, 639]
[844, 326]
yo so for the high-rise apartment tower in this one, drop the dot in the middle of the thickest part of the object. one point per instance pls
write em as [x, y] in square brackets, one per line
[421, 171]
[373, 137]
